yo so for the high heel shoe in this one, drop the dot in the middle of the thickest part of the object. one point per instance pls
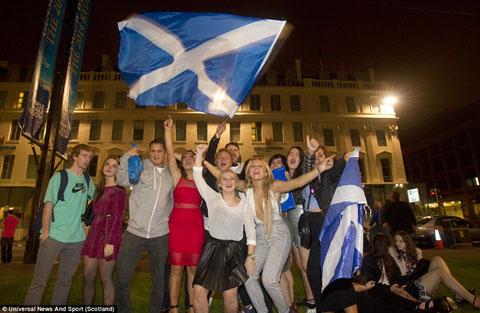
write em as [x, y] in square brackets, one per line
[461, 300]
[443, 305]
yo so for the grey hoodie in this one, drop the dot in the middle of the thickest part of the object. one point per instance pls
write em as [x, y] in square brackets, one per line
[151, 200]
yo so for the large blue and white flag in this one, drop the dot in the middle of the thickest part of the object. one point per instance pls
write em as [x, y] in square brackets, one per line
[341, 237]
[207, 60]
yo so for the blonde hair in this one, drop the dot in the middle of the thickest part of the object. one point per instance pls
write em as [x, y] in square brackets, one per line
[217, 184]
[267, 190]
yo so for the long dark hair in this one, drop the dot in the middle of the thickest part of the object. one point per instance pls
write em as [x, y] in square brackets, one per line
[410, 253]
[101, 184]
[378, 249]
[182, 170]
[299, 170]
[281, 157]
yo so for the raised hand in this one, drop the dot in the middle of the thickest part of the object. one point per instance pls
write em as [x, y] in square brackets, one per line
[201, 149]
[326, 164]
[168, 122]
[312, 145]
[220, 130]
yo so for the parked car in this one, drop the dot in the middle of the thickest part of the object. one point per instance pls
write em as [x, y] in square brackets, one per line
[425, 235]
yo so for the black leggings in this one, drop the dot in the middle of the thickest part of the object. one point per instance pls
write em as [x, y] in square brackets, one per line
[314, 274]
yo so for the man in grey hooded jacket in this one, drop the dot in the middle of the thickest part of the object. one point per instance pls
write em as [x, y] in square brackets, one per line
[150, 205]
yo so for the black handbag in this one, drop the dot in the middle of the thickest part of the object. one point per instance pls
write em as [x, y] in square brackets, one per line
[304, 227]
[88, 216]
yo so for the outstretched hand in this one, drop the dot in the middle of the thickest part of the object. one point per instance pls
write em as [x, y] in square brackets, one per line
[201, 148]
[326, 164]
[312, 145]
[220, 130]
[168, 122]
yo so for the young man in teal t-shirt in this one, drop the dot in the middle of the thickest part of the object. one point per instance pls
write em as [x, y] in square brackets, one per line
[65, 235]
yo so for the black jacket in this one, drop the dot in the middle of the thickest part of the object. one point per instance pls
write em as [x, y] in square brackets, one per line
[372, 271]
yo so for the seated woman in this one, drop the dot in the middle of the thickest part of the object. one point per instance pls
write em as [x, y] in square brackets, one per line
[407, 257]
[379, 266]
[221, 267]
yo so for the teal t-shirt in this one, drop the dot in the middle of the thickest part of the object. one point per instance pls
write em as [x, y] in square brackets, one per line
[67, 226]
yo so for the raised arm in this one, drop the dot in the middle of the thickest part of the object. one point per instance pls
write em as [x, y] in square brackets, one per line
[202, 186]
[309, 160]
[213, 145]
[242, 185]
[286, 186]
[172, 162]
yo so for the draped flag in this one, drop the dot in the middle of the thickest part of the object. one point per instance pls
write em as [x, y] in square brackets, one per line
[207, 60]
[341, 237]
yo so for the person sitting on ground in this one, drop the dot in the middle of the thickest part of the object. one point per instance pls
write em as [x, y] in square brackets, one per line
[407, 256]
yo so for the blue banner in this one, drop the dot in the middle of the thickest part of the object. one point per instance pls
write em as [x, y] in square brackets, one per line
[73, 75]
[35, 110]
[286, 200]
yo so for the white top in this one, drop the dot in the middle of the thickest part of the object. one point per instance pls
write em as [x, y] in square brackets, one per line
[251, 200]
[225, 222]
[401, 262]
[237, 168]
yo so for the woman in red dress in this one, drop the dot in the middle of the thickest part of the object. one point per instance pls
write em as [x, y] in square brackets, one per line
[185, 241]
[101, 247]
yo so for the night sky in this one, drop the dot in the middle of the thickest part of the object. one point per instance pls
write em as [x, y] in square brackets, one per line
[429, 50]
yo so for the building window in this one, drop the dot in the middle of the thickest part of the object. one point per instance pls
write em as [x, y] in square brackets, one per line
[14, 131]
[92, 167]
[202, 131]
[31, 167]
[159, 129]
[181, 131]
[22, 99]
[74, 130]
[276, 104]
[140, 107]
[254, 102]
[350, 103]
[7, 166]
[99, 100]
[361, 167]
[256, 131]
[182, 106]
[324, 104]
[297, 131]
[138, 130]
[120, 99]
[117, 130]
[295, 103]
[3, 98]
[381, 139]
[386, 170]
[235, 131]
[328, 139]
[355, 137]
[79, 100]
[277, 131]
[95, 130]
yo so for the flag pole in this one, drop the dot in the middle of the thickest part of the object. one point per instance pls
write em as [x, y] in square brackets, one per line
[225, 120]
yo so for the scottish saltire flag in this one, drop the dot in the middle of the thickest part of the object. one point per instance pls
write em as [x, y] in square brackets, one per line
[207, 60]
[341, 237]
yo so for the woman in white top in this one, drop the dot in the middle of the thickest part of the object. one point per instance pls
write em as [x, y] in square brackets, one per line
[273, 240]
[222, 265]
[407, 256]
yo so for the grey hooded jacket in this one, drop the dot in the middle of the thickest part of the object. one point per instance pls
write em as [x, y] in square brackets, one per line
[151, 199]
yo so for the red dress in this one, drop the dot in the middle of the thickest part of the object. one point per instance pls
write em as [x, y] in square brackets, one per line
[108, 209]
[185, 241]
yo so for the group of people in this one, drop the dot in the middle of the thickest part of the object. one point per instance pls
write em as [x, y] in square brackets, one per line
[220, 219]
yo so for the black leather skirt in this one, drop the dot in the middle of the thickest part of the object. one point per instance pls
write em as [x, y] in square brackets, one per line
[222, 265]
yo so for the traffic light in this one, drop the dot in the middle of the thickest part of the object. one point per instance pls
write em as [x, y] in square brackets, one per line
[434, 195]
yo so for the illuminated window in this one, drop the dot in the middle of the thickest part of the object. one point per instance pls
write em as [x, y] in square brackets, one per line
[256, 131]
[22, 99]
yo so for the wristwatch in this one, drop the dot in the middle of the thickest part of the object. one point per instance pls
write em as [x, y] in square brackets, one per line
[251, 256]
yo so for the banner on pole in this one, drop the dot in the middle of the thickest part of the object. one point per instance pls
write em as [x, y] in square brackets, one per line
[73, 75]
[35, 110]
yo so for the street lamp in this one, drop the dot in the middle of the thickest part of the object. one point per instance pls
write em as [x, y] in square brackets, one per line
[388, 103]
